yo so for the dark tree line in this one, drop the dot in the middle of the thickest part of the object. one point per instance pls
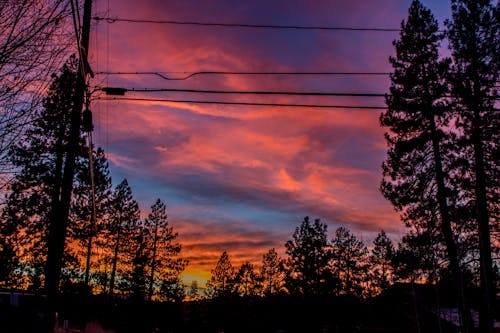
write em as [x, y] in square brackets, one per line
[442, 167]
[118, 252]
[314, 266]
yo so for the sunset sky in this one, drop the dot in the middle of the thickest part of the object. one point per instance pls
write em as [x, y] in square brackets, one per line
[241, 178]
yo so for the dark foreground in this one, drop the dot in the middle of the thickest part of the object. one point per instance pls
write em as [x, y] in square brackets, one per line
[400, 309]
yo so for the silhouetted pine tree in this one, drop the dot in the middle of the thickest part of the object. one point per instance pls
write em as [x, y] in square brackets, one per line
[164, 264]
[474, 34]
[221, 281]
[39, 157]
[349, 263]
[307, 265]
[122, 225]
[381, 256]
[272, 273]
[247, 281]
[415, 171]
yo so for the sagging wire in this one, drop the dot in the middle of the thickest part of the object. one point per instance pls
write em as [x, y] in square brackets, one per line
[188, 75]
[111, 20]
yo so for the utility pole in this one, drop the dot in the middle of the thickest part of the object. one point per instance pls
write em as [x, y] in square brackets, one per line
[62, 198]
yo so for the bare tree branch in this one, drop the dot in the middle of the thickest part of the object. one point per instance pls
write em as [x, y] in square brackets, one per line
[35, 39]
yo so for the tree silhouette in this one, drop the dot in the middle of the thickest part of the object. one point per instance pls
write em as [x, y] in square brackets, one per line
[415, 171]
[222, 279]
[123, 223]
[381, 257]
[157, 218]
[272, 274]
[137, 279]
[349, 262]
[39, 159]
[164, 263]
[415, 257]
[474, 35]
[308, 259]
[171, 287]
[247, 281]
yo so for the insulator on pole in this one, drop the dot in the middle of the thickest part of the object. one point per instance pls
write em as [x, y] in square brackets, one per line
[88, 126]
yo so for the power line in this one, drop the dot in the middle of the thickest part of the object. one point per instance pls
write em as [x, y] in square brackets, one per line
[188, 75]
[122, 91]
[324, 106]
[245, 25]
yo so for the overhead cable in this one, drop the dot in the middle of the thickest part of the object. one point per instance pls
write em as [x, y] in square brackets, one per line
[323, 106]
[188, 75]
[122, 91]
[246, 25]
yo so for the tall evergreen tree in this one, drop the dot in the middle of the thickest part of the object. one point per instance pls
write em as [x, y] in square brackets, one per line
[415, 171]
[308, 259]
[164, 263]
[222, 279]
[381, 257]
[474, 34]
[247, 281]
[349, 262]
[39, 159]
[122, 225]
[272, 274]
